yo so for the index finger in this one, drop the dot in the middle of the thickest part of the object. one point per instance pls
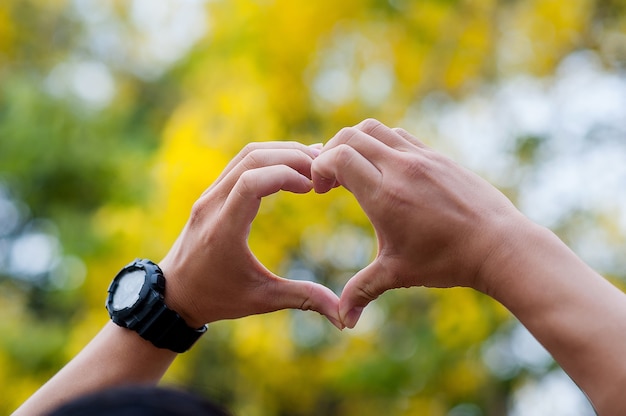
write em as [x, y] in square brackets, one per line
[372, 139]
[344, 165]
[370, 147]
[311, 151]
[242, 204]
[392, 137]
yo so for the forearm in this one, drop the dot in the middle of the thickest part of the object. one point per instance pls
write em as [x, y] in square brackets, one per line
[211, 275]
[114, 357]
[573, 311]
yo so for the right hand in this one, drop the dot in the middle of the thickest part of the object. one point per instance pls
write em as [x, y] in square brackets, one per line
[437, 224]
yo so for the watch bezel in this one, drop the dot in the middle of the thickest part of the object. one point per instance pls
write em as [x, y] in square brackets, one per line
[153, 282]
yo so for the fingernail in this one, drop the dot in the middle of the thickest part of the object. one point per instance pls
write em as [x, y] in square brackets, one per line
[352, 317]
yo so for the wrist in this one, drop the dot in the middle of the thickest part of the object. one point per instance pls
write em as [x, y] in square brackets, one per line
[512, 240]
[177, 296]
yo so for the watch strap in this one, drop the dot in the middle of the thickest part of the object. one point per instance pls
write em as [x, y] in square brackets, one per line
[167, 329]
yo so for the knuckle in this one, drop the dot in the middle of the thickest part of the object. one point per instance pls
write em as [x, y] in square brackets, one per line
[301, 158]
[346, 134]
[247, 178]
[370, 125]
[248, 148]
[246, 183]
[344, 154]
[400, 131]
[253, 159]
[307, 302]
[290, 144]
[367, 292]
[196, 212]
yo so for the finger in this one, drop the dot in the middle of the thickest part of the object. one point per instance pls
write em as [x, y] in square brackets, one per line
[311, 151]
[242, 204]
[346, 166]
[409, 137]
[384, 134]
[304, 295]
[365, 286]
[317, 148]
[257, 158]
[370, 147]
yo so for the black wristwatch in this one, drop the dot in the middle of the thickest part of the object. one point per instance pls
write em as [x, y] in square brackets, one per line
[136, 302]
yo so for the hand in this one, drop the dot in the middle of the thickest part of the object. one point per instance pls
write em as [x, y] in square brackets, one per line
[437, 223]
[211, 272]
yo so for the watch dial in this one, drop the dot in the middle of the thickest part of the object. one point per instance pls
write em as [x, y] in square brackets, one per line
[128, 288]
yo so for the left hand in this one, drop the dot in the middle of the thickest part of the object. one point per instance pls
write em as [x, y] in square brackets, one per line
[211, 272]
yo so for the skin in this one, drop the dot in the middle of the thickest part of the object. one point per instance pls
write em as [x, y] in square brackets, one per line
[437, 224]
[211, 275]
[440, 225]
[216, 275]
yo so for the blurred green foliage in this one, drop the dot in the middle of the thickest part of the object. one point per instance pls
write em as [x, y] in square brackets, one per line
[108, 133]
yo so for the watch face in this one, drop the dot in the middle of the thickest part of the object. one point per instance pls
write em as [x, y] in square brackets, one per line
[128, 289]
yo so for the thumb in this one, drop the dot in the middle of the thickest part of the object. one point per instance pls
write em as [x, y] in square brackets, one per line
[306, 295]
[361, 289]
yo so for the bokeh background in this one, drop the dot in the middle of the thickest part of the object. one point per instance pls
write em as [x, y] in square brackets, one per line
[116, 115]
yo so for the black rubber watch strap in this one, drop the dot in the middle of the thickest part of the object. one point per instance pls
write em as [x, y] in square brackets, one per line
[166, 329]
